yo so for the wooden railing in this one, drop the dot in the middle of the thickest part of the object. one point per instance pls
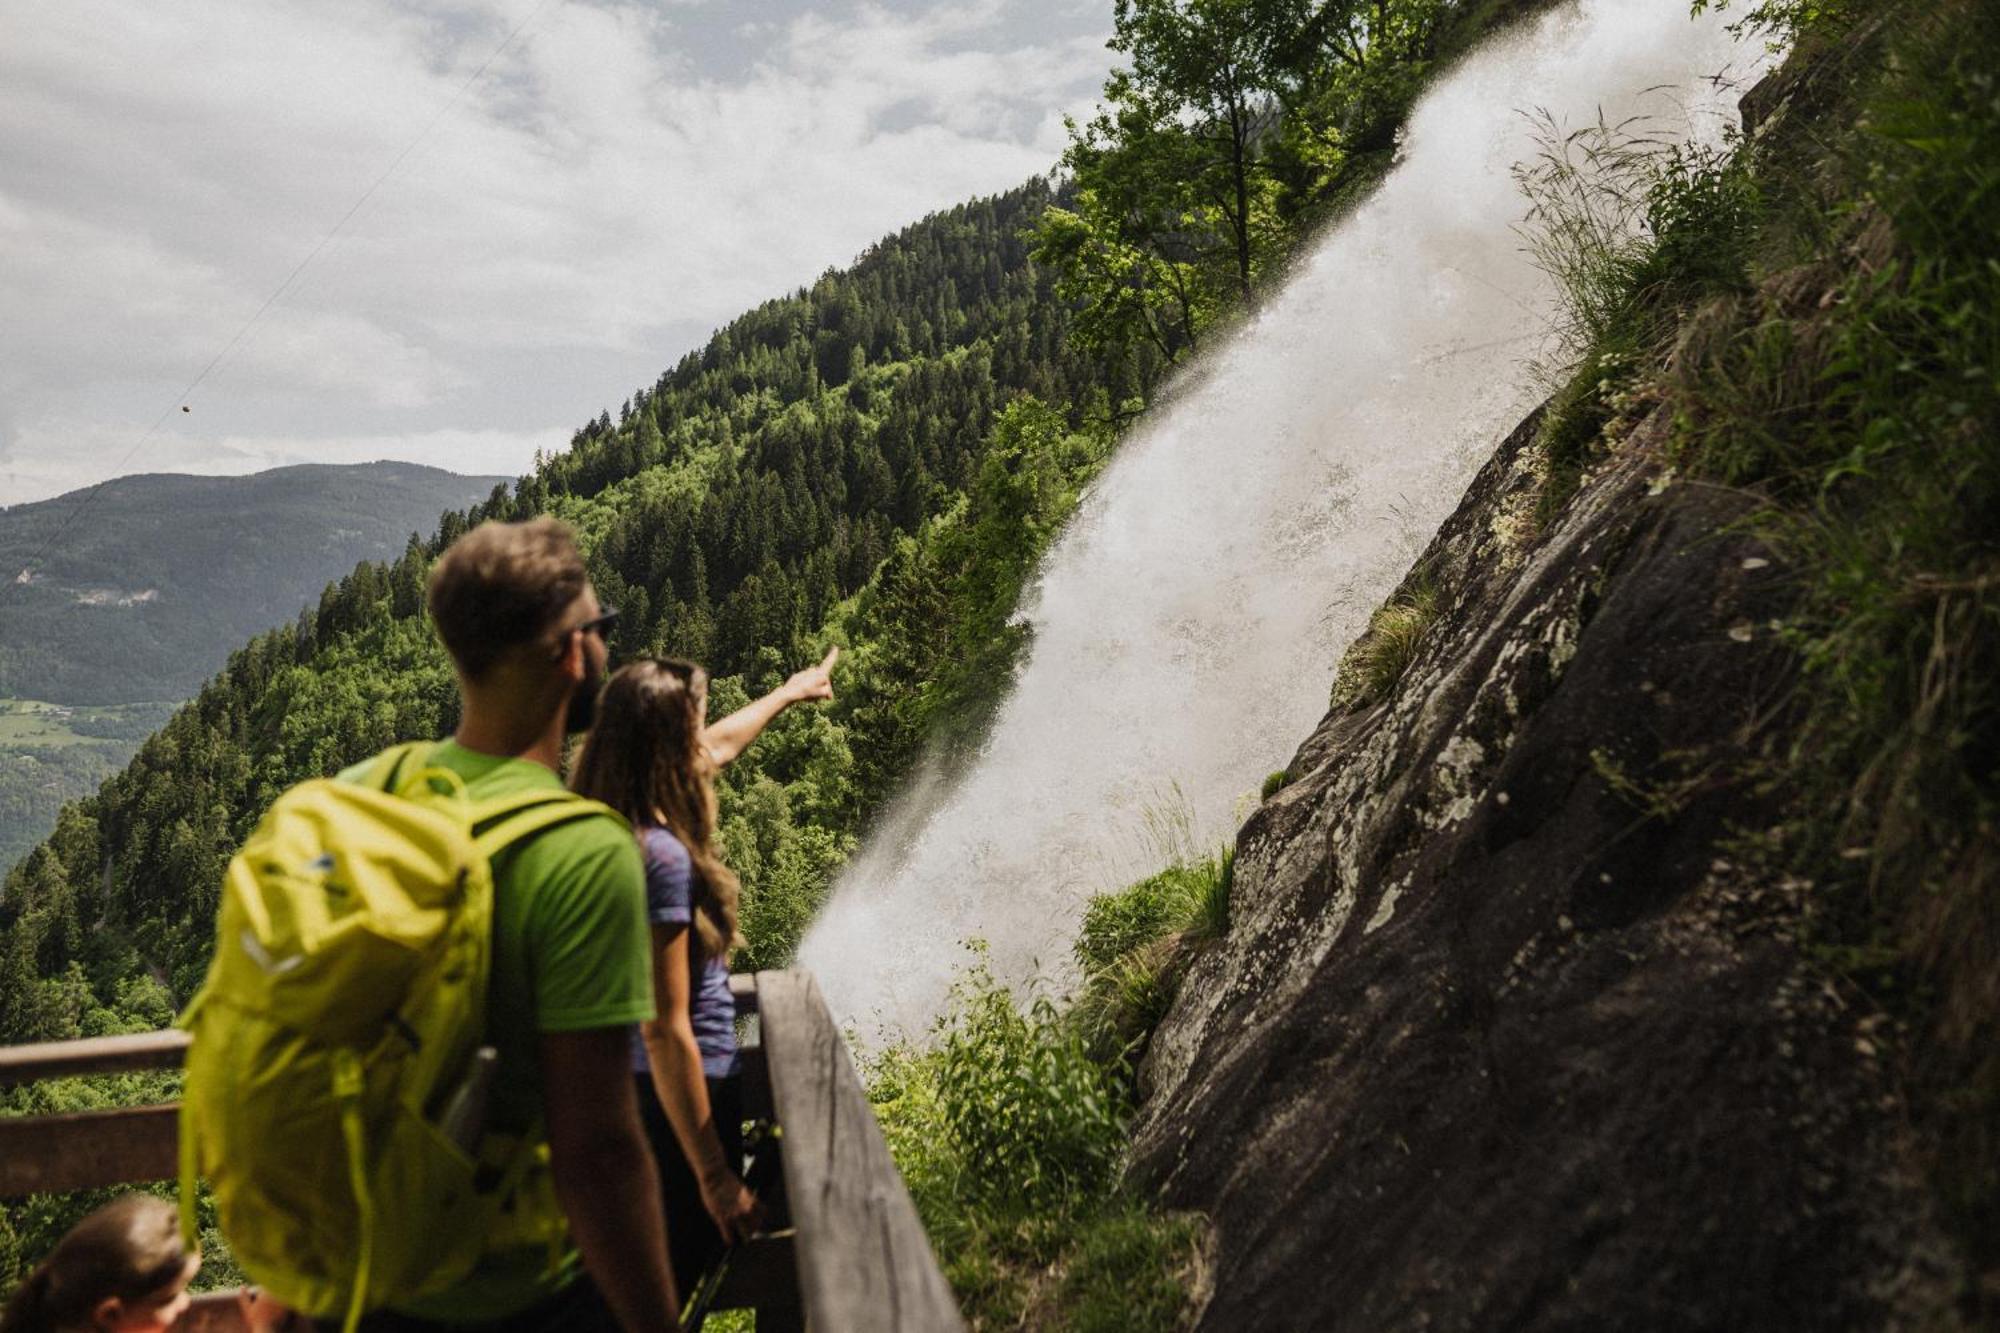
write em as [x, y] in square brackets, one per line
[843, 1249]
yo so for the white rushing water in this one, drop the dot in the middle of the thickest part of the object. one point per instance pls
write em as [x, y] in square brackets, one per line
[1188, 624]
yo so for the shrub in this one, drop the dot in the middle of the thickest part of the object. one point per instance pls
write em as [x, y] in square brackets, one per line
[1785, 21]
[1036, 1123]
[1009, 1136]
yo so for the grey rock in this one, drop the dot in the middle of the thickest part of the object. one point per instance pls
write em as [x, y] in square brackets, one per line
[1503, 1035]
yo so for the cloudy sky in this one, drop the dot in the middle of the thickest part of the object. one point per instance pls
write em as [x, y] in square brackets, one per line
[625, 176]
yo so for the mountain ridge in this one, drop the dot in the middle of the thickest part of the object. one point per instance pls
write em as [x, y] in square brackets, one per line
[126, 480]
[200, 562]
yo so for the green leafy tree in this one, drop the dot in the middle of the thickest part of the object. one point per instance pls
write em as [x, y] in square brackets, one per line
[1213, 70]
[1126, 254]
[1351, 72]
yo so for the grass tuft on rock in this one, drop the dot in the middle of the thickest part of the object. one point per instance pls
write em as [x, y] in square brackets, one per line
[1376, 661]
[1136, 945]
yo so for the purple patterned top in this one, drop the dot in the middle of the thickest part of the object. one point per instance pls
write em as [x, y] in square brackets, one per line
[670, 901]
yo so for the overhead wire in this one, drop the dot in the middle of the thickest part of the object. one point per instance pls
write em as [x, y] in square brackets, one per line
[64, 522]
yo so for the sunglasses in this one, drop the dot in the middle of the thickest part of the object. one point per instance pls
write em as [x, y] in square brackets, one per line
[599, 624]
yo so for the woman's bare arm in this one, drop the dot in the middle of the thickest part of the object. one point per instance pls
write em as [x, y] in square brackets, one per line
[683, 1091]
[732, 735]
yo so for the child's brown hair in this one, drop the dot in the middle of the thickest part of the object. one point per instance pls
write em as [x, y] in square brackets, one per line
[128, 1249]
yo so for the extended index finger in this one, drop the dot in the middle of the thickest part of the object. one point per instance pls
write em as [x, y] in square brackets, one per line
[832, 654]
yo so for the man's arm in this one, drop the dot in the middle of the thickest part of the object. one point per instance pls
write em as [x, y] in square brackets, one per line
[732, 735]
[604, 1174]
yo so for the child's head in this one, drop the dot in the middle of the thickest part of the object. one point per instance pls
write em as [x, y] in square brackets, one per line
[120, 1270]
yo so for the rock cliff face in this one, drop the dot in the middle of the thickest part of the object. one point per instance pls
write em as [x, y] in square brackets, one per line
[1502, 1035]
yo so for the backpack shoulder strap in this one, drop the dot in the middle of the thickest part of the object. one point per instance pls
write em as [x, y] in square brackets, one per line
[506, 820]
[385, 771]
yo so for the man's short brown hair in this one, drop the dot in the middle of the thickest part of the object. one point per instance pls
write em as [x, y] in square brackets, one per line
[502, 585]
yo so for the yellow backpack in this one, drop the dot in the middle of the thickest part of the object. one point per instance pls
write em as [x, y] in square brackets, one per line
[339, 1027]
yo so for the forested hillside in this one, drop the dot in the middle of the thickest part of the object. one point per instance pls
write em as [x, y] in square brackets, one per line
[876, 461]
[867, 461]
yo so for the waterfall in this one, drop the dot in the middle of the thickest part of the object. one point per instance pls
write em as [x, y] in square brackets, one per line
[1188, 623]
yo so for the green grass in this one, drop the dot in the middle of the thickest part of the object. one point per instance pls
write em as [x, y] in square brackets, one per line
[1120, 923]
[1129, 1269]
[1135, 945]
[34, 724]
[51, 754]
[27, 722]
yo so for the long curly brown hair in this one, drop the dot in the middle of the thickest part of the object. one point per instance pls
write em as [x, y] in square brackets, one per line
[644, 758]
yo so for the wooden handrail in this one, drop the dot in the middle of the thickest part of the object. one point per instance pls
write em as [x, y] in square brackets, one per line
[848, 1250]
[92, 1055]
[212, 1312]
[864, 1260]
[167, 1048]
[47, 1154]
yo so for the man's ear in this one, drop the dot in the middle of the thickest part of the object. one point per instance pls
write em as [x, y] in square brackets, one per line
[107, 1313]
[573, 663]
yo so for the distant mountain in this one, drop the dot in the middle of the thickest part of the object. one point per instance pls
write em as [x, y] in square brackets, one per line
[149, 585]
[158, 577]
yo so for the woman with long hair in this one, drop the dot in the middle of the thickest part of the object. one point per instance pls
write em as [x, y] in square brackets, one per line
[650, 757]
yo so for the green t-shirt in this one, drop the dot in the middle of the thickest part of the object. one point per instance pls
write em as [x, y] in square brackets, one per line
[569, 954]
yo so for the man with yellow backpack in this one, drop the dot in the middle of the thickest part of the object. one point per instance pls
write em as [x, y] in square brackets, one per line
[408, 1079]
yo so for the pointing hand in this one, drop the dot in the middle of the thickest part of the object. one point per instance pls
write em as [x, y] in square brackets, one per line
[815, 682]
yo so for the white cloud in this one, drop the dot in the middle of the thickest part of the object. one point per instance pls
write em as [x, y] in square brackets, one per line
[606, 190]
